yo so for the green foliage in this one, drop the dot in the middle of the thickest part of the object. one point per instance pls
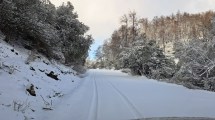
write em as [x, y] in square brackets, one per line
[55, 32]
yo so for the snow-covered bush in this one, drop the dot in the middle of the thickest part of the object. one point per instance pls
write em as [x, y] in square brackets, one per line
[8, 68]
[80, 69]
[126, 70]
[21, 106]
[47, 105]
[31, 57]
[11, 69]
[197, 64]
[149, 60]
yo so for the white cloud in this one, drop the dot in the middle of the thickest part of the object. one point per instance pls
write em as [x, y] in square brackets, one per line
[102, 16]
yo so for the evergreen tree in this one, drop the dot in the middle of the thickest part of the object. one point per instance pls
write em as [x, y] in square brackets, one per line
[57, 33]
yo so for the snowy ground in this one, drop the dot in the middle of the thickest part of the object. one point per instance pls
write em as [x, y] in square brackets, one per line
[112, 95]
[16, 76]
[101, 95]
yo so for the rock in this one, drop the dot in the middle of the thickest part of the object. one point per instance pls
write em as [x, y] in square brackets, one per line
[52, 75]
[45, 62]
[30, 89]
[31, 68]
[41, 70]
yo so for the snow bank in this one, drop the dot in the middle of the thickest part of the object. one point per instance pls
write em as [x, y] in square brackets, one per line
[18, 72]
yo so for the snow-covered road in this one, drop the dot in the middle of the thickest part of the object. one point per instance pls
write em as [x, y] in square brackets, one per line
[112, 95]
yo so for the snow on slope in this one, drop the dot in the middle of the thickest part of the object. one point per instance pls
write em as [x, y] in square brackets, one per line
[16, 76]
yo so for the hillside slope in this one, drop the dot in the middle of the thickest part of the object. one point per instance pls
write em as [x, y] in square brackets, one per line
[31, 84]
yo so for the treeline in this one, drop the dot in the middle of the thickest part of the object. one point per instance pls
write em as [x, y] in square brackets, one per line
[38, 25]
[180, 26]
[179, 48]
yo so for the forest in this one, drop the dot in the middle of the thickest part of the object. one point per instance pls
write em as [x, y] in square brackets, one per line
[178, 48]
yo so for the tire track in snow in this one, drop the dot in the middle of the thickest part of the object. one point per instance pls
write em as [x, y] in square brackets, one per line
[93, 111]
[73, 102]
[71, 92]
[134, 110]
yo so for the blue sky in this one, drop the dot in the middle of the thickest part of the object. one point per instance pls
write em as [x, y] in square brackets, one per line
[102, 16]
[95, 45]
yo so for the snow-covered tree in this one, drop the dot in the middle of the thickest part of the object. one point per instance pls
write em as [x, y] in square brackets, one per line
[72, 33]
[147, 59]
[197, 63]
[57, 33]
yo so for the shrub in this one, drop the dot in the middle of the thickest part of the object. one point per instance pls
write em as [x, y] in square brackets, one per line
[148, 60]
